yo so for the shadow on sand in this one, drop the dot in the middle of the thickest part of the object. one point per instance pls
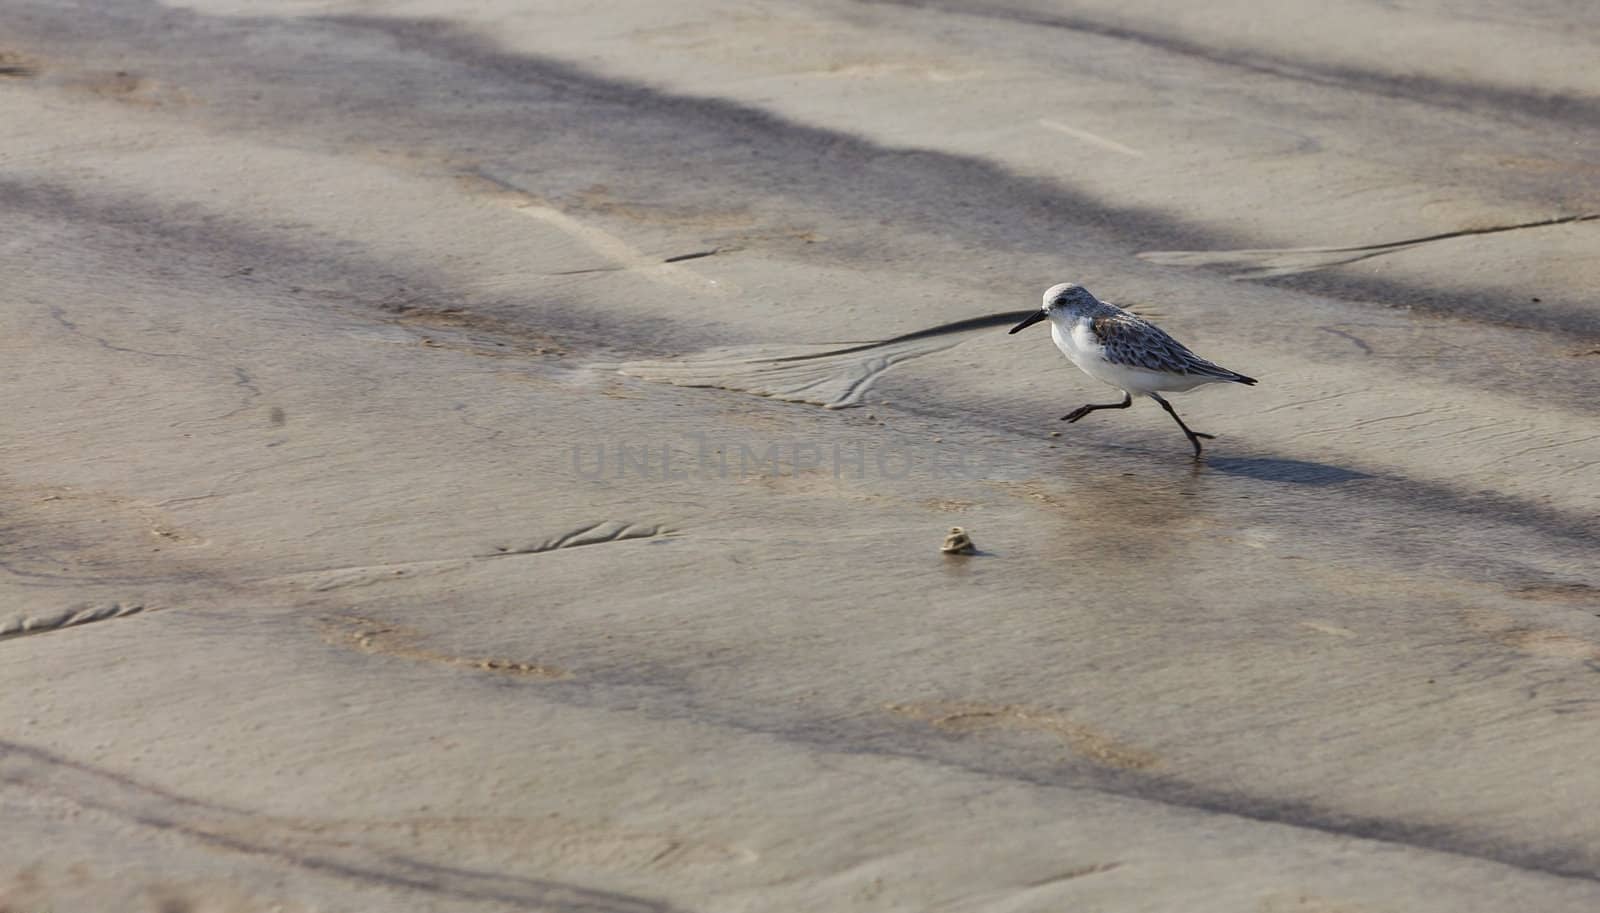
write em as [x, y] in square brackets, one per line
[1294, 472]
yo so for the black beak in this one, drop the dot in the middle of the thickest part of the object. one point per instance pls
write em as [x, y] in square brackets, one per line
[1033, 318]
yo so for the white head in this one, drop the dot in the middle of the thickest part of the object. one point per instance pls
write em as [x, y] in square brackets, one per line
[1064, 299]
[1067, 296]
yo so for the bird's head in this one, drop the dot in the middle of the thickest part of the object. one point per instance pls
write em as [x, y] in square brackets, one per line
[1063, 298]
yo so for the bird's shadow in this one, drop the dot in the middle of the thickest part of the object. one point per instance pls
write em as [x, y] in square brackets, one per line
[1293, 472]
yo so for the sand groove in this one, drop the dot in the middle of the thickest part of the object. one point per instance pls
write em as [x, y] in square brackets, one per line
[367, 635]
[23, 625]
[1082, 740]
[1266, 263]
[592, 534]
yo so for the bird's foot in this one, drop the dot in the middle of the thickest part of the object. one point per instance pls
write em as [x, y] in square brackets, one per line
[1209, 437]
[1194, 441]
[1077, 413]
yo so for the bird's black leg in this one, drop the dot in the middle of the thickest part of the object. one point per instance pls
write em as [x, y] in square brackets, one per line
[1194, 436]
[1081, 411]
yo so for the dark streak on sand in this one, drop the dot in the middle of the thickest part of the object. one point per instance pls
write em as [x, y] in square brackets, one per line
[705, 142]
[709, 143]
[869, 738]
[642, 692]
[1468, 232]
[1451, 94]
[128, 229]
[694, 256]
[946, 329]
[248, 833]
[518, 106]
[736, 149]
[370, 285]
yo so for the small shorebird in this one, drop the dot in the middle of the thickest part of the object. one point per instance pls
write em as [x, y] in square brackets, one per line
[1125, 351]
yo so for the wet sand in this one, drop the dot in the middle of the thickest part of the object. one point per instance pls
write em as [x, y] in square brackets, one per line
[444, 468]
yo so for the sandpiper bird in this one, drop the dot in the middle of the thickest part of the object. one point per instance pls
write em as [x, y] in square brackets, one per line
[1125, 351]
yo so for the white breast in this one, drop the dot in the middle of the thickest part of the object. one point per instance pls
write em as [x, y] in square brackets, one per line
[1079, 344]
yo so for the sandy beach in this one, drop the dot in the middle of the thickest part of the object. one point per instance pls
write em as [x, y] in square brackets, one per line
[445, 465]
